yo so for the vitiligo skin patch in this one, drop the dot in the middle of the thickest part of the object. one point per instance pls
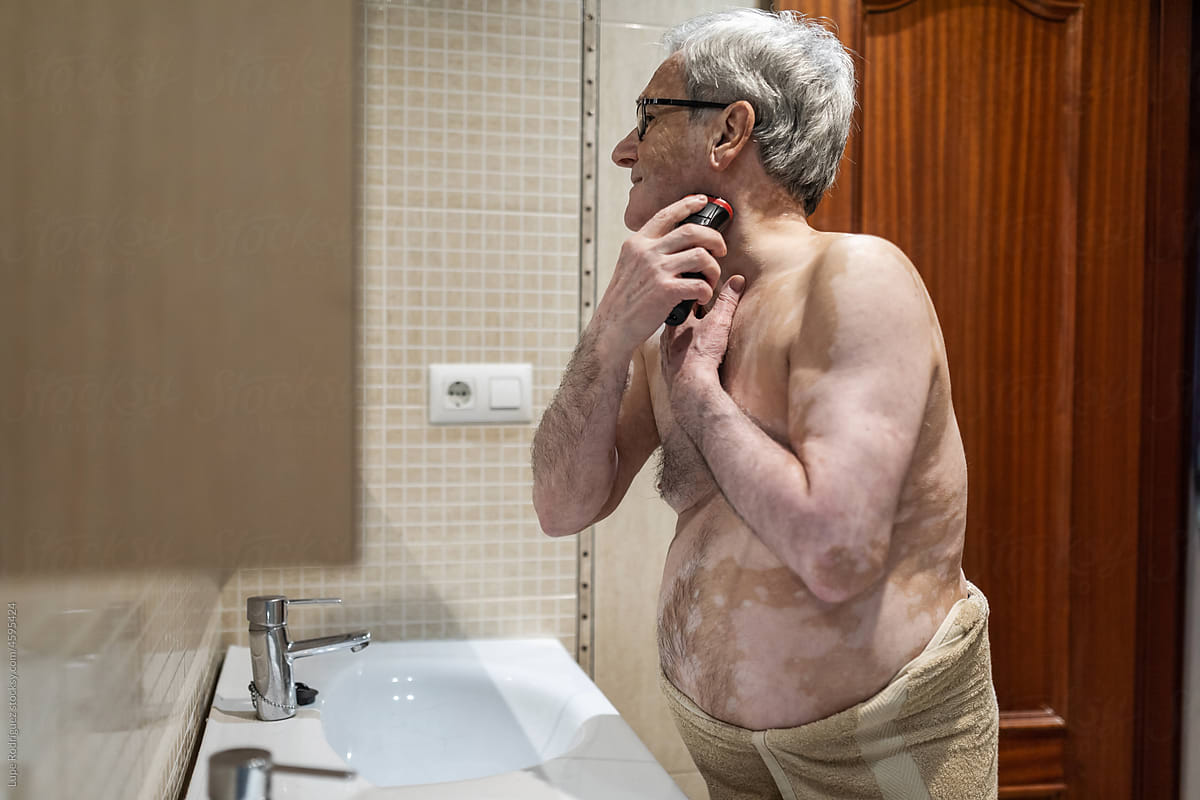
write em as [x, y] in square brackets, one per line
[739, 631]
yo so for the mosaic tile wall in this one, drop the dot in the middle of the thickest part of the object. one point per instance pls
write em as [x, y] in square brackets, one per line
[469, 253]
[112, 674]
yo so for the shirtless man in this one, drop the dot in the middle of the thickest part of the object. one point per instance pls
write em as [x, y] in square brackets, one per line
[809, 444]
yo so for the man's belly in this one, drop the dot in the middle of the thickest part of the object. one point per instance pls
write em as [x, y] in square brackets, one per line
[743, 636]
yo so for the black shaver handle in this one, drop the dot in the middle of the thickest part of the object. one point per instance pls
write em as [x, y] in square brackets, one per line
[680, 312]
[713, 215]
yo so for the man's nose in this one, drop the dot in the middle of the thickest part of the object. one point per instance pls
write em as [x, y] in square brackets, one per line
[625, 153]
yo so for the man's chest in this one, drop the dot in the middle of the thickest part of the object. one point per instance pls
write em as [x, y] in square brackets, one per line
[754, 373]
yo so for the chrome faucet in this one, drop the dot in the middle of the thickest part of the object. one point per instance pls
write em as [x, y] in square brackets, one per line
[273, 690]
[244, 773]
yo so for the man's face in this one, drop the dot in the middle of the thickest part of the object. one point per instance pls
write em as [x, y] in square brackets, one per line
[664, 164]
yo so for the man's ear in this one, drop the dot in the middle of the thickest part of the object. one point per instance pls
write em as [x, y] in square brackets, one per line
[736, 127]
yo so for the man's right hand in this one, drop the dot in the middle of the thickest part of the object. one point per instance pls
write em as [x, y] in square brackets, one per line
[646, 282]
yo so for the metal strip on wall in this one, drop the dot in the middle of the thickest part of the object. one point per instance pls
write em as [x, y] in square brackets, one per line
[587, 293]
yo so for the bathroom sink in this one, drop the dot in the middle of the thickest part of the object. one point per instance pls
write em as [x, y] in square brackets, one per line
[430, 712]
[440, 720]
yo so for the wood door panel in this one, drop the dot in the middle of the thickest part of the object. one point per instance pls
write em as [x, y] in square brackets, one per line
[1107, 445]
[1003, 145]
[1032, 754]
[968, 137]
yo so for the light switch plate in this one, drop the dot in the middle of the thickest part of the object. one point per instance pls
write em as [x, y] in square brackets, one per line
[480, 393]
[504, 394]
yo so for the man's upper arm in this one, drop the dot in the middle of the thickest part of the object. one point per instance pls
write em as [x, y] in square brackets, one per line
[637, 433]
[860, 372]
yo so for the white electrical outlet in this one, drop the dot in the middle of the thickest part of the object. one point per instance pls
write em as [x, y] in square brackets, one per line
[459, 395]
[480, 393]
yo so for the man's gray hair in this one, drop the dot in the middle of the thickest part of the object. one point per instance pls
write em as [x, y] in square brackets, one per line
[794, 72]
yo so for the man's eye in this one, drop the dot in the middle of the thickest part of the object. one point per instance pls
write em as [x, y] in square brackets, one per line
[649, 118]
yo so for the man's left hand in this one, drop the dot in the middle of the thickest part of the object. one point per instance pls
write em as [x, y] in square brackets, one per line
[694, 350]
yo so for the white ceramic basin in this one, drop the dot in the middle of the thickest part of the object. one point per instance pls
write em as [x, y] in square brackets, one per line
[430, 712]
[441, 720]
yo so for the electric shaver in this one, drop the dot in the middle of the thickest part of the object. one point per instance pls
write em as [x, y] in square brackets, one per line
[714, 215]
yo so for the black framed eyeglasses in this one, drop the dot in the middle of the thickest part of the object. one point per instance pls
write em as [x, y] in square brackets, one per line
[642, 122]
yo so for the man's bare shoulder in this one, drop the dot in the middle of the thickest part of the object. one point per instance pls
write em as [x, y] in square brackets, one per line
[861, 267]
[866, 293]
[831, 255]
[859, 253]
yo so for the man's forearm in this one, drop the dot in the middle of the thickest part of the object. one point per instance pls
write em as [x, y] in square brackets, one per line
[574, 448]
[763, 481]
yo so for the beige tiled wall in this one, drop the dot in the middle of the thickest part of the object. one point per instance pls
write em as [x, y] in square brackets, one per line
[469, 253]
[631, 545]
[112, 677]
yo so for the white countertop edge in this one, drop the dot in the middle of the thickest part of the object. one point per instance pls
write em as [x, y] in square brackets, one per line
[573, 779]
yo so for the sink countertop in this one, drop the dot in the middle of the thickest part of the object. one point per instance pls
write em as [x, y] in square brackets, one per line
[606, 760]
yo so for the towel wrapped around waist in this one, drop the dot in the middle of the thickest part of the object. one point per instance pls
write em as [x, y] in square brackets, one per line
[931, 733]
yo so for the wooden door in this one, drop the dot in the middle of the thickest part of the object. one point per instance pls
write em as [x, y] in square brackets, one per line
[1008, 147]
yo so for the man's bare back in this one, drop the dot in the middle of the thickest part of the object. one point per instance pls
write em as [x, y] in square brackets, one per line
[739, 632]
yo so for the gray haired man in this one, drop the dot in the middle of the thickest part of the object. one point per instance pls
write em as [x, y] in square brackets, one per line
[817, 635]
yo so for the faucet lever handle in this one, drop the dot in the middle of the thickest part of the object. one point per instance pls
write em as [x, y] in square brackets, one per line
[270, 610]
[244, 773]
[344, 774]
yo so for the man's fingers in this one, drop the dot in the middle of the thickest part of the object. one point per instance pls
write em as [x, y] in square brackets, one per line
[696, 261]
[687, 237]
[666, 220]
[730, 293]
[727, 299]
[699, 290]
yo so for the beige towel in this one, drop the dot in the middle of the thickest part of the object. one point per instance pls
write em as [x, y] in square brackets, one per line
[931, 734]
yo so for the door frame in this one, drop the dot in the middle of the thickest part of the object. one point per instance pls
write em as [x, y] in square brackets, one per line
[1165, 469]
